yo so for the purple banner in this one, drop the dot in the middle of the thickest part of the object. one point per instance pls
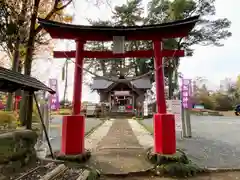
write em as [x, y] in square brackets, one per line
[186, 92]
[54, 98]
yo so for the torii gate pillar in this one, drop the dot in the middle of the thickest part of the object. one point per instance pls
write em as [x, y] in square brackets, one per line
[164, 124]
[73, 126]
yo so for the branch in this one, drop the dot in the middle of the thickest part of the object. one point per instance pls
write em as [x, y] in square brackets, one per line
[52, 12]
[64, 6]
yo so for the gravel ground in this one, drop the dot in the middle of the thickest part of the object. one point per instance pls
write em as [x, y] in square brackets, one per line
[212, 176]
[215, 141]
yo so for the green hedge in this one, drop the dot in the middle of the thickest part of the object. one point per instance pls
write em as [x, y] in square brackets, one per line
[206, 113]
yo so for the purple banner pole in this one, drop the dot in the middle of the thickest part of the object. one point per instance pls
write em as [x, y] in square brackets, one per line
[54, 98]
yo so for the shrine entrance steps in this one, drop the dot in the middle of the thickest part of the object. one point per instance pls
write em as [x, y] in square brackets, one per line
[119, 152]
[121, 115]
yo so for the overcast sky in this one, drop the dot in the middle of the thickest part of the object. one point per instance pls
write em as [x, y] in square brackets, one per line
[213, 63]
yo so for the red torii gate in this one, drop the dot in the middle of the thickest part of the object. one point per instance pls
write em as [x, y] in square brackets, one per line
[110, 54]
[164, 124]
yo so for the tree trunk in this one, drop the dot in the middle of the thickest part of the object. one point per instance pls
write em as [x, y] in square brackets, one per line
[15, 65]
[170, 83]
[24, 115]
[66, 82]
[176, 85]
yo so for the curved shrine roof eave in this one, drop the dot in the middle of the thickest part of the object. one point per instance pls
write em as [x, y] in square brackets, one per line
[179, 28]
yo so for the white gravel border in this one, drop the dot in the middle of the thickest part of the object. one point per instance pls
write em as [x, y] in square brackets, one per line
[144, 138]
[94, 138]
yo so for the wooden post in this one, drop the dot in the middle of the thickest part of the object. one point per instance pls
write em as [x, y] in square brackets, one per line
[30, 110]
[46, 119]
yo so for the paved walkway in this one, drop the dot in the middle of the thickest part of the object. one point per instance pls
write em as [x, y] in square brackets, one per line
[119, 152]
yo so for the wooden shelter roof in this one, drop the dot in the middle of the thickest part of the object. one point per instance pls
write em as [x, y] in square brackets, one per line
[11, 81]
[179, 28]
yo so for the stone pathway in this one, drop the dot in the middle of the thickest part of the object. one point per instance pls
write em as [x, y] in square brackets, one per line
[119, 152]
[94, 138]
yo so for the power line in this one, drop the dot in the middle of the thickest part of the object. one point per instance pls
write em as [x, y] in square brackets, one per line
[121, 80]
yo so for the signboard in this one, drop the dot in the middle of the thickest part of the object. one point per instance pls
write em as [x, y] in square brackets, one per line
[118, 44]
[54, 98]
[186, 92]
[175, 107]
[122, 93]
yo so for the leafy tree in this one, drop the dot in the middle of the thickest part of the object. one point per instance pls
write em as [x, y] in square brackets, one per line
[16, 29]
[207, 31]
[55, 10]
[224, 99]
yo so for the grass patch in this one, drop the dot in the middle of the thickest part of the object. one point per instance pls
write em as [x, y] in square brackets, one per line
[149, 128]
[94, 128]
[177, 165]
[62, 112]
[205, 112]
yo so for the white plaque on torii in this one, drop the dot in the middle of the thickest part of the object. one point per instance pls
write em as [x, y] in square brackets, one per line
[118, 44]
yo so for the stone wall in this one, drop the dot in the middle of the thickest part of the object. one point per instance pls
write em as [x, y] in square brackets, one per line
[17, 150]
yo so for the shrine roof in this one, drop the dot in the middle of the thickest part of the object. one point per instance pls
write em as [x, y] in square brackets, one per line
[102, 84]
[179, 28]
[11, 81]
[143, 83]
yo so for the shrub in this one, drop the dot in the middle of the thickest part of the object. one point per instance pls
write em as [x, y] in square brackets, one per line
[7, 119]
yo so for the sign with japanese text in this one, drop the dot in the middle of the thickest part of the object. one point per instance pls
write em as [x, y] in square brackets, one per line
[186, 92]
[175, 107]
[54, 98]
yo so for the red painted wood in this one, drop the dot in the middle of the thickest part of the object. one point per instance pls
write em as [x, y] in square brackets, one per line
[164, 134]
[173, 29]
[65, 34]
[78, 75]
[159, 77]
[164, 124]
[73, 135]
[110, 54]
